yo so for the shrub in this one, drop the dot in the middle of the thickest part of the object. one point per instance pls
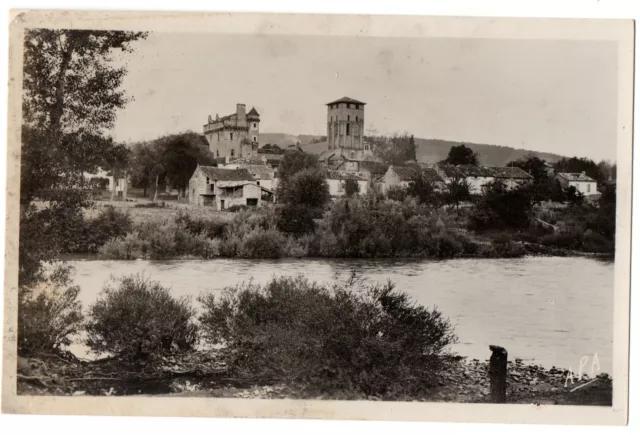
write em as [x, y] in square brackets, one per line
[212, 228]
[351, 187]
[396, 193]
[108, 224]
[160, 204]
[140, 320]
[296, 219]
[48, 313]
[564, 240]
[261, 243]
[236, 208]
[501, 207]
[129, 247]
[372, 340]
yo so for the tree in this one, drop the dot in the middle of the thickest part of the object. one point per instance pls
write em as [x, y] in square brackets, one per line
[351, 187]
[292, 163]
[394, 150]
[457, 190]
[180, 154]
[501, 207]
[461, 155]
[71, 92]
[309, 188]
[534, 166]
[577, 165]
[574, 196]
[423, 189]
[142, 162]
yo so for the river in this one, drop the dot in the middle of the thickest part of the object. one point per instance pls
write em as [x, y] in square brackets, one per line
[549, 311]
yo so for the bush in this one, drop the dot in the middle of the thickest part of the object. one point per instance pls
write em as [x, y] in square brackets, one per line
[108, 224]
[211, 228]
[372, 340]
[129, 247]
[140, 320]
[261, 243]
[396, 193]
[48, 313]
[296, 219]
[160, 204]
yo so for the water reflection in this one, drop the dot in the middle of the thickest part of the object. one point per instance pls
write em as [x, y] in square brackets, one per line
[549, 310]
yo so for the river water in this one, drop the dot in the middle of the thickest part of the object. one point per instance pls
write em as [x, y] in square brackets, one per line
[549, 311]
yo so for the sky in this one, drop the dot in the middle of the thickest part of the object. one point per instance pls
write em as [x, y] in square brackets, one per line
[555, 96]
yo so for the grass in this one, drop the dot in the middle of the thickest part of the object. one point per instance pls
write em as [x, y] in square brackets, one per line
[159, 214]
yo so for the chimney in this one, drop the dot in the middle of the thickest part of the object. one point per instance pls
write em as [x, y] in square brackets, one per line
[241, 111]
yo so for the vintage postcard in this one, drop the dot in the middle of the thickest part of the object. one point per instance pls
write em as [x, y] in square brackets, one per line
[318, 216]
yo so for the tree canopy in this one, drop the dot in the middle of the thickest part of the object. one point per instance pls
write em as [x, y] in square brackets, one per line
[71, 93]
[461, 155]
[394, 150]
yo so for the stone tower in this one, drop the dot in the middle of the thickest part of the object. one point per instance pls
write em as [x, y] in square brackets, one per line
[345, 125]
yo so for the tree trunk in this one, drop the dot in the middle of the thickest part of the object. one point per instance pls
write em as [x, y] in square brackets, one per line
[155, 194]
[144, 191]
[124, 187]
[114, 184]
[58, 106]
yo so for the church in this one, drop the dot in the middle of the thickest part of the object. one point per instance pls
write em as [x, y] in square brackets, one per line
[235, 135]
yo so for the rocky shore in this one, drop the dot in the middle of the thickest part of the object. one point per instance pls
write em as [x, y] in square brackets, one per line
[201, 375]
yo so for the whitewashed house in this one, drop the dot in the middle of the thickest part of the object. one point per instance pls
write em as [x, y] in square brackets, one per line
[581, 181]
[479, 176]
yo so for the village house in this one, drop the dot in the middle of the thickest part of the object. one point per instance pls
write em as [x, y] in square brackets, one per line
[260, 171]
[479, 176]
[368, 169]
[581, 181]
[106, 180]
[337, 182]
[235, 135]
[222, 188]
[402, 176]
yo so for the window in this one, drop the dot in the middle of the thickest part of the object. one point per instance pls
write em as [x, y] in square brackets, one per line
[348, 106]
[348, 129]
[233, 153]
[366, 146]
[356, 119]
[588, 187]
[212, 185]
[255, 139]
[258, 183]
[207, 180]
[231, 136]
[341, 186]
[217, 153]
[218, 137]
[348, 117]
[193, 192]
[255, 125]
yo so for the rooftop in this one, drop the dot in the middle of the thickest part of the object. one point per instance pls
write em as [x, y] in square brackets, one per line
[346, 100]
[220, 174]
[575, 176]
[337, 175]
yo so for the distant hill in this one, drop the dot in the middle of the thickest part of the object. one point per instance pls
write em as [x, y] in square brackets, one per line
[428, 150]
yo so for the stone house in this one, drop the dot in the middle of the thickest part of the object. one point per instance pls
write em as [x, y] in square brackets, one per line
[403, 175]
[261, 172]
[368, 169]
[222, 188]
[337, 182]
[479, 176]
[581, 181]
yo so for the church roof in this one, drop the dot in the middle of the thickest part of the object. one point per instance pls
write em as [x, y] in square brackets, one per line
[346, 100]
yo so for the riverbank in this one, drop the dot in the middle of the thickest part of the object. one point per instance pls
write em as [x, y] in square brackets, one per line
[204, 375]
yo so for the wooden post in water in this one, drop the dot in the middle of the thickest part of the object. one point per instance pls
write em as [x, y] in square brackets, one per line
[498, 374]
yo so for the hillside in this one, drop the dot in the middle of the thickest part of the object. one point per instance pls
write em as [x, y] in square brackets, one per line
[429, 150]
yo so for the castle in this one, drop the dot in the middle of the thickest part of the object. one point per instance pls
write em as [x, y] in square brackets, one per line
[345, 128]
[235, 135]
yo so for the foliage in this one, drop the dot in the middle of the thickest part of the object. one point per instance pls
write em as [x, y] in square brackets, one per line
[501, 207]
[351, 187]
[48, 313]
[296, 219]
[397, 193]
[292, 163]
[423, 190]
[578, 165]
[372, 339]
[395, 150]
[456, 191]
[71, 92]
[534, 166]
[573, 195]
[461, 155]
[140, 320]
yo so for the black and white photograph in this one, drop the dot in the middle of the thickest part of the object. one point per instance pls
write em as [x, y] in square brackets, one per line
[308, 209]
